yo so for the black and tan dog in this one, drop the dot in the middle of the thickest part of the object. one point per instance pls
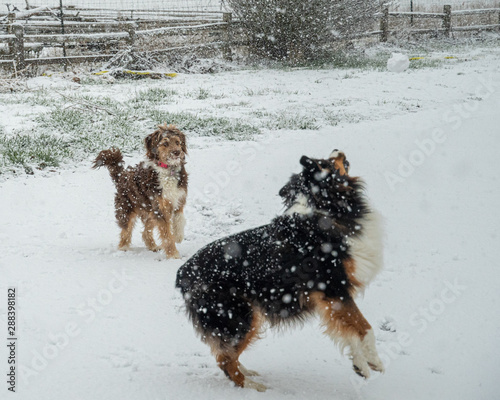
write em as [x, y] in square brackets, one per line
[315, 258]
[154, 190]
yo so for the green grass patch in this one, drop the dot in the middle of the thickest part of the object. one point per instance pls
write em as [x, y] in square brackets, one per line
[206, 125]
[27, 151]
[426, 62]
[89, 132]
[204, 94]
[286, 120]
[155, 96]
[65, 120]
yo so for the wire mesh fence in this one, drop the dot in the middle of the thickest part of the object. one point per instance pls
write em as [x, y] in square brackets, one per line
[148, 5]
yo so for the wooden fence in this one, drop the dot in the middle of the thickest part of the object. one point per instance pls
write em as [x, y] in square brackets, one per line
[129, 27]
[446, 17]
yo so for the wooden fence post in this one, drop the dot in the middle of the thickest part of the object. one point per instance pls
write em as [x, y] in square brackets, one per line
[384, 24]
[411, 10]
[447, 20]
[19, 46]
[498, 18]
[227, 17]
[11, 17]
[130, 29]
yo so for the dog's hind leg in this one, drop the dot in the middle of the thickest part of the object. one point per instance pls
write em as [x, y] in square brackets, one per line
[148, 233]
[126, 221]
[346, 325]
[234, 371]
[227, 358]
[228, 323]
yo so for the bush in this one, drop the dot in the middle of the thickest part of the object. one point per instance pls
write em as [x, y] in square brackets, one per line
[297, 30]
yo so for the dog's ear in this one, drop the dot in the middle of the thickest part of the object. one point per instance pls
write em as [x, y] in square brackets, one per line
[340, 163]
[309, 164]
[182, 136]
[151, 143]
[285, 190]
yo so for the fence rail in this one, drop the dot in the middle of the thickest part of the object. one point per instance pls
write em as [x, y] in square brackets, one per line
[447, 27]
[36, 28]
[415, 15]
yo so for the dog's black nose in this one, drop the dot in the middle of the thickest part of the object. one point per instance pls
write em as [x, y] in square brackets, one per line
[176, 153]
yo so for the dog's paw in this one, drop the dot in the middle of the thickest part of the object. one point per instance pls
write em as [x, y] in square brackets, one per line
[249, 384]
[248, 372]
[361, 367]
[362, 371]
[370, 353]
[179, 237]
[175, 254]
[376, 365]
[124, 248]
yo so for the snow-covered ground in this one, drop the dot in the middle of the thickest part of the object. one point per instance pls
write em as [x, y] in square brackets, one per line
[96, 323]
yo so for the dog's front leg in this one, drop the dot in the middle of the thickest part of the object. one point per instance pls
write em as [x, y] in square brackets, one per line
[347, 326]
[179, 224]
[165, 227]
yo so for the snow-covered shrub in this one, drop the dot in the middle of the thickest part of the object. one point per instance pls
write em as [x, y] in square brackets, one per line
[298, 30]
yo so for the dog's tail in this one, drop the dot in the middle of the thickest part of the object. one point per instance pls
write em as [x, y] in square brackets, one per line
[113, 160]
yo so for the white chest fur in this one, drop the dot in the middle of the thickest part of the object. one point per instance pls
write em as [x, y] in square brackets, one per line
[169, 183]
[171, 191]
[367, 248]
[300, 206]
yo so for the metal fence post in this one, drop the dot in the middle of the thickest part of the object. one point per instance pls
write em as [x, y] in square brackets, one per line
[384, 24]
[18, 46]
[447, 20]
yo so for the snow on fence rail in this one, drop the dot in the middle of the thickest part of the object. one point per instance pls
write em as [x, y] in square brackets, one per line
[79, 25]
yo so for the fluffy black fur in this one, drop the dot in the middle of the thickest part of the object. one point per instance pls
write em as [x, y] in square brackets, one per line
[272, 268]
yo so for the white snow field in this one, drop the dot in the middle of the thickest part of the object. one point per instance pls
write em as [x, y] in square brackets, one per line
[97, 323]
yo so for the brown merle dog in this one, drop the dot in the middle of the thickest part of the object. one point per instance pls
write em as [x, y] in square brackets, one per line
[154, 190]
